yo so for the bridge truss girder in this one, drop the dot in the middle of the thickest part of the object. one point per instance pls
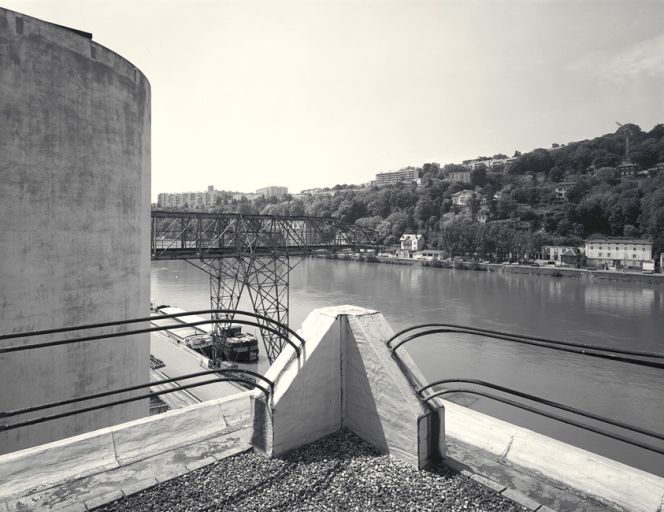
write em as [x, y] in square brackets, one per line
[253, 252]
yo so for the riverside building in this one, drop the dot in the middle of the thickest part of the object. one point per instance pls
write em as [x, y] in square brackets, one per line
[618, 252]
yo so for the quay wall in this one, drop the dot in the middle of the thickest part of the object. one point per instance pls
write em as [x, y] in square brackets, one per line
[631, 277]
[75, 210]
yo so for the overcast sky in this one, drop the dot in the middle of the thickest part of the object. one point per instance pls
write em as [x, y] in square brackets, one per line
[319, 92]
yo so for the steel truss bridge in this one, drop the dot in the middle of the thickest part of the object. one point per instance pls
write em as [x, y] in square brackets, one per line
[252, 252]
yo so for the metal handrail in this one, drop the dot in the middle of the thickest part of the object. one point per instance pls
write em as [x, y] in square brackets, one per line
[150, 318]
[133, 399]
[540, 400]
[152, 329]
[552, 416]
[563, 346]
[51, 405]
[618, 355]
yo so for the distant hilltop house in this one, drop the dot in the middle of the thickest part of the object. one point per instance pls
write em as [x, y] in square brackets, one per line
[488, 163]
[317, 192]
[491, 164]
[627, 169]
[563, 188]
[249, 196]
[273, 191]
[410, 244]
[461, 175]
[483, 216]
[462, 198]
[653, 171]
[392, 177]
[205, 199]
[618, 253]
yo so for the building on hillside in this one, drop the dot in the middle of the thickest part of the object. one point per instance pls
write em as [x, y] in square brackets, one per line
[249, 196]
[318, 192]
[461, 175]
[657, 169]
[196, 200]
[627, 169]
[483, 216]
[272, 191]
[617, 253]
[462, 198]
[493, 164]
[476, 164]
[563, 188]
[410, 244]
[562, 255]
[392, 177]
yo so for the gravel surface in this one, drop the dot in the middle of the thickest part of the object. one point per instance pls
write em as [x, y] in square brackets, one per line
[339, 472]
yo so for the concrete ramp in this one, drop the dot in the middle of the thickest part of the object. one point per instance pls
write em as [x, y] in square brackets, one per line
[346, 377]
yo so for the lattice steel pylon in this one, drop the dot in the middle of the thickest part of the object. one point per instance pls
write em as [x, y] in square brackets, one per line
[267, 282]
[256, 252]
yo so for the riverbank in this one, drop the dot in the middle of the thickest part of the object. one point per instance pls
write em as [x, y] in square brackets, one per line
[556, 272]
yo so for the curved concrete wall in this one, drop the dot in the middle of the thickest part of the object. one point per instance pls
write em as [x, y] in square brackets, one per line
[74, 219]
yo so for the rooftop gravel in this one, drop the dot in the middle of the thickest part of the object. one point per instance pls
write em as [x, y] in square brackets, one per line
[339, 472]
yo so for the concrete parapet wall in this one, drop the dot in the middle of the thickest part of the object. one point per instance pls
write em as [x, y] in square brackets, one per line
[53, 464]
[346, 377]
[548, 460]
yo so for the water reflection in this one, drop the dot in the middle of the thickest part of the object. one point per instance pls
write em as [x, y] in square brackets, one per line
[630, 301]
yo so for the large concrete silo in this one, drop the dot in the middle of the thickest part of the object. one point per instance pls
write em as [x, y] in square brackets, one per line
[74, 220]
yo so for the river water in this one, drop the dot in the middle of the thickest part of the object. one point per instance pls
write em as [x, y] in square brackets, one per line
[614, 314]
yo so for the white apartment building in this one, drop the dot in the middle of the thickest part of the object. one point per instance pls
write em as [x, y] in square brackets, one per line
[205, 199]
[272, 191]
[392, 177]
[618, 252]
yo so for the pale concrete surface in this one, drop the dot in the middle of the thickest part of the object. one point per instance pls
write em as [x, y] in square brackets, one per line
[180, 360]
[75, 210]
[538, 465]
[176, 399]
[91, 465]
[379, 404]
[346, 377]
[101, 488]
[306, 402]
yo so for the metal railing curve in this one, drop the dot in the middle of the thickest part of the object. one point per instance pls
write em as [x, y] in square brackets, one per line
[132, 399]
[230, 371]
[239, 375]
[159, 317]
[557, 417]
[427, 392]
[182, 325]
[618, 355]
